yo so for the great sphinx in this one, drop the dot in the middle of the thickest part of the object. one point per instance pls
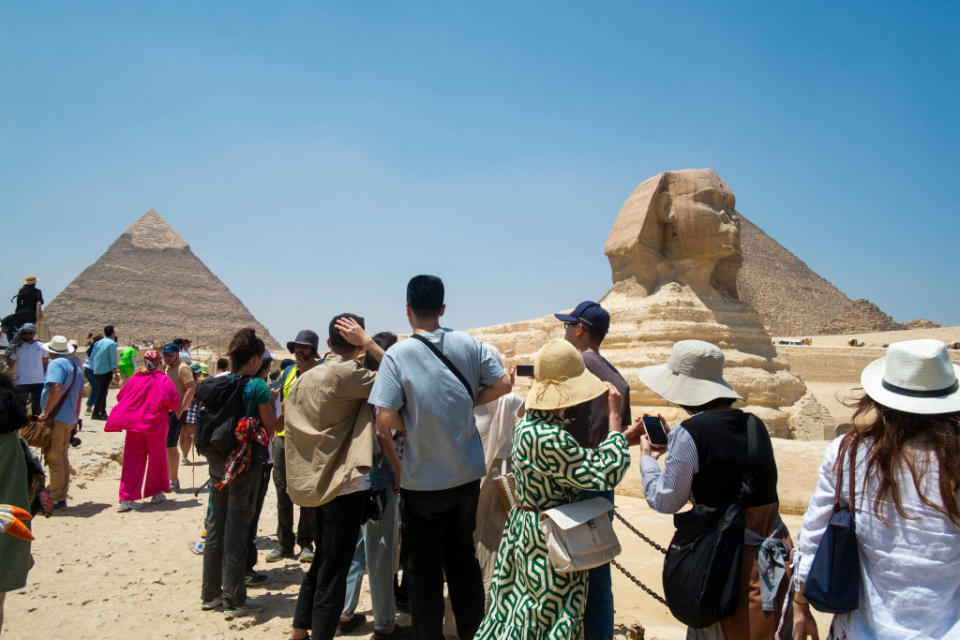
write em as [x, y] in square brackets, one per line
[674, 253]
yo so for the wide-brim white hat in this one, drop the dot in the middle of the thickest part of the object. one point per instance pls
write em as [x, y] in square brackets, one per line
[916, 376]
[561, 379]
[691, 376]
[58, 345]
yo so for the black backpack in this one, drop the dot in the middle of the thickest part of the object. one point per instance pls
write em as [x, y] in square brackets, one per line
[219, 409]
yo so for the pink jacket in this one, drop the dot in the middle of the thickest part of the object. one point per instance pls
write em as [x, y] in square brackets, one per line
[144, 402]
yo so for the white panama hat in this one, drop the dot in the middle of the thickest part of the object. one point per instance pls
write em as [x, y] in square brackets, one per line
[916, 376]
[692, 375]
[58, 345]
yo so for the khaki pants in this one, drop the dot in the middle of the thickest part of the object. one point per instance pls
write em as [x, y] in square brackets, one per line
[58, 460]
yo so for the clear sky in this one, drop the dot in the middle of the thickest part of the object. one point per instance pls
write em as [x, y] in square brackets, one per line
[316, 155]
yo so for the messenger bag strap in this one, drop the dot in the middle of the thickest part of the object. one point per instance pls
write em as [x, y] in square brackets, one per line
[749, 470]
[445, 360]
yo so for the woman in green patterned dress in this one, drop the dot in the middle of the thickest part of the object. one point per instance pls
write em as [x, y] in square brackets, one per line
[528, 599]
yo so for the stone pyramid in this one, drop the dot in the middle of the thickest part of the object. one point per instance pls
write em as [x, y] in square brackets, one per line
[152, 287]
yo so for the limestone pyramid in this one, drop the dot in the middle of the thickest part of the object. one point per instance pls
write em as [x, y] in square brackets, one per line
[152, 287]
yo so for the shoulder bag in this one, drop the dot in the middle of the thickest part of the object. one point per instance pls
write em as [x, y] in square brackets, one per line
[580, 535]
[701, 572]
[833, 585]
[37, 433]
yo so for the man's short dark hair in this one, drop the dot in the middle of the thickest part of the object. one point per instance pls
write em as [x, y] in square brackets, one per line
[336, 339]
[595, 336]
[108, 331]
[223, 364]
[178, 342]
[425, 295]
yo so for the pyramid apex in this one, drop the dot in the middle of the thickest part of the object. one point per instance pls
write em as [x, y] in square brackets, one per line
[151, 231]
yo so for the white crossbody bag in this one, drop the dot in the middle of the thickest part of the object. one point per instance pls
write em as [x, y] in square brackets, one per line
[580, 535]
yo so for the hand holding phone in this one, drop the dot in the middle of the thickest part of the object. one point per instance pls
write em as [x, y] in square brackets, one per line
[655, 430]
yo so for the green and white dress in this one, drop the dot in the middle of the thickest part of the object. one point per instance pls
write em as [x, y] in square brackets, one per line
[528, 599]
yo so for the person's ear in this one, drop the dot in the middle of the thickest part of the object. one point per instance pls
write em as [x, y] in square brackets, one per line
[443, 308]
[329, 344]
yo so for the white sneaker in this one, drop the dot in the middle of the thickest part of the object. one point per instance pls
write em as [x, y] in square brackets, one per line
[158, 498]
[128, 505]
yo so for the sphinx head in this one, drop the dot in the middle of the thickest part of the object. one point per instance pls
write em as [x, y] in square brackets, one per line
[678, 225]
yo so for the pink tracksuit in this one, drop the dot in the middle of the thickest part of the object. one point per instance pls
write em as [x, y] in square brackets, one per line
[143, 407]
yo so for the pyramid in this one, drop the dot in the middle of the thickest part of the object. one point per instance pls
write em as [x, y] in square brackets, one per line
[152, 287]
[792, 298]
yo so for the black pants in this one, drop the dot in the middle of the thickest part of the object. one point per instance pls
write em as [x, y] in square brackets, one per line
[438, 540]
[336, 527]
[103, 387]
[228, 528]
[261, 494]
[33, 392]
[285, 506]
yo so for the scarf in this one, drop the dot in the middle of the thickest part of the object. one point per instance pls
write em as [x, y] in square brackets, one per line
[248, 432]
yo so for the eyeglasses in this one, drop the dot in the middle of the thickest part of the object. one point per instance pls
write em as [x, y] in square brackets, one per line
[568, 324]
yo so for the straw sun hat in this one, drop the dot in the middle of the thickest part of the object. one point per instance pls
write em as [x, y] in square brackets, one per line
[692, 375]
[560, 379]
[916, 376]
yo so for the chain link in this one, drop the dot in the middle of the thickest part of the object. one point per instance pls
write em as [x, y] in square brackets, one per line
[636, 531]
[653, 594]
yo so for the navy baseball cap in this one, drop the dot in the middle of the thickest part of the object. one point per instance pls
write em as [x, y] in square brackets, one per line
[588, 312]
[171, 347]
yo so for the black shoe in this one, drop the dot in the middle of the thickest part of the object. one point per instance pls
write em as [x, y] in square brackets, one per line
[59, 504]
[254, 579]
[75, 441]
[398, 633]
[356, 621]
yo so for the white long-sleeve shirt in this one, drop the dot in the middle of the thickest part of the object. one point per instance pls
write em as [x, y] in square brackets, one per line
[909, 568]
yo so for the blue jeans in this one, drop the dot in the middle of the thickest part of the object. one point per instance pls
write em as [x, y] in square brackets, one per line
[92, 379]
[598, 612]
[378, 543]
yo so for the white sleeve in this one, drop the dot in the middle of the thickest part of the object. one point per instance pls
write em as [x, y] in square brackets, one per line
[819, 510]
[668, 490]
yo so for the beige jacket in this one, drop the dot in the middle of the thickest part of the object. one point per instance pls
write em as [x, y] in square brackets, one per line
[329, 430]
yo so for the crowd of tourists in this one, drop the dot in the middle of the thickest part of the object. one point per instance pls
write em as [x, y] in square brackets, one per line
[414, 462]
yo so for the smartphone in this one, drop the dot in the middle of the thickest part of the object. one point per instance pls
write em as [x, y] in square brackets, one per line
[525, 370]
[655, 432]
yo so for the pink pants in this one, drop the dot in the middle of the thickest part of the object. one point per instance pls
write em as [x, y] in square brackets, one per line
[144, 451]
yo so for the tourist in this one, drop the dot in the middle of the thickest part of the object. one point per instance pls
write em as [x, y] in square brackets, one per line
[88, 371]
[304, 349]
[376, 550]
[233, 489]
[901, 456]
[528, 598]
[75, 359]
[143, 408]
[29, 307]
[63, 377]
[189, 427]
[128, 363]
[181, 376]
[104, 356]
[496, 422]
[706, 456]
[184, 345]
[329, 449]
[443, 458]
[26, 353]
[253, 578]
[14, 488]
[223, 367]
[585, 328]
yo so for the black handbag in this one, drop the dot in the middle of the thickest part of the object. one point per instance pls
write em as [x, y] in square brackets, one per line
[701, 573]
[833, 584]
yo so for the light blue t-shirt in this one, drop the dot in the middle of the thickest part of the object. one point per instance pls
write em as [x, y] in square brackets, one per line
[60, 371]
[443, 449]
[104, 356]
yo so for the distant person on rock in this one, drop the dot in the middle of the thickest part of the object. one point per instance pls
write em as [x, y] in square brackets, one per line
[27, 355]
[29, 307]
[181, 376]
[585, 328]
[143, 407]
[63, 377]
[304, 348]
[104, 355]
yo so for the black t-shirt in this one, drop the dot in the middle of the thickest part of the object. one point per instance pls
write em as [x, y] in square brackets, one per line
[588, 422]
[28, 297]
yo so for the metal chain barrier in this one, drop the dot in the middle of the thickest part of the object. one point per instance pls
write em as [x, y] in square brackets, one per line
[653, 594]
[636, 531]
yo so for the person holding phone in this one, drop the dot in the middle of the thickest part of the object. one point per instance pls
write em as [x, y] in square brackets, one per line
[705, 459]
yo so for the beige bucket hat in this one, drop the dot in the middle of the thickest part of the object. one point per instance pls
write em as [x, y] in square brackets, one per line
[916, 376]
[58, 345]
[560, 379]
[692, 375]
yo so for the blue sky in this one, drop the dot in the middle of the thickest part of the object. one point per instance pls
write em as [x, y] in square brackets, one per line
[316, 155]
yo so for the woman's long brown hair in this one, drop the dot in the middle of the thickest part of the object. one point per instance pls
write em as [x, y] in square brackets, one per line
[890, 430]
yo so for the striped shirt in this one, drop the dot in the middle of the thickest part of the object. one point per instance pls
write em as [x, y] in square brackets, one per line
[667, 491]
